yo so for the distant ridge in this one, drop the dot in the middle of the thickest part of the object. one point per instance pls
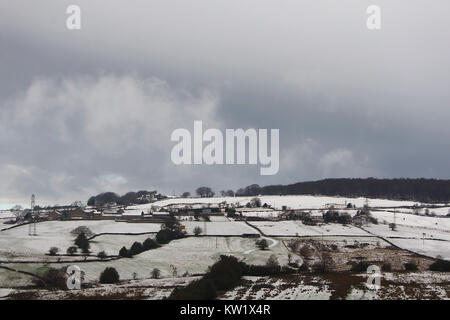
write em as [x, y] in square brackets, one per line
[421, 190]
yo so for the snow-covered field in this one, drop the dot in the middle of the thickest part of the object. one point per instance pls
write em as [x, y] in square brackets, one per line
[297, 228]
[294, 202]
[193, 255]
[422, 234]
[57, 234]
[406, 219]
[219, 227]
[432, 243]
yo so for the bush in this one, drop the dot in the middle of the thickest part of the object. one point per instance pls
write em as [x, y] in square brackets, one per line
[82, 229]
[102, 255]
[226, 273]
[411, 266]
[202, 289]
[71, 250]
[53, 251]
[149, 244]
[272, 262]
[440, 265]
[262, 244]
[109, 275]
[197, 230]
[156, 273]
[52, 279]
[136, 248]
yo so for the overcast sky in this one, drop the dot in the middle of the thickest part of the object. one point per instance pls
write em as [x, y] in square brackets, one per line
[92, 110]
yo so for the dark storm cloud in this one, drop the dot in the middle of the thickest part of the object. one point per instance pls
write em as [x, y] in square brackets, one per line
[92, 110]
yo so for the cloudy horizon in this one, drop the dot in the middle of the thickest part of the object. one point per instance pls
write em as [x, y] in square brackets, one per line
[92, 110]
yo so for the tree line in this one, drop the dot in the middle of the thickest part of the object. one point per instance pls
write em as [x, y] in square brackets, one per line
[423, 190]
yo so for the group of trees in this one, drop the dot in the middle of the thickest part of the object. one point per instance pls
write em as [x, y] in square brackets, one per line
[171, 230]
[424, 190]
[140, 197]
[83, 243]
[204, 192]
[137, 248]
[251, 190]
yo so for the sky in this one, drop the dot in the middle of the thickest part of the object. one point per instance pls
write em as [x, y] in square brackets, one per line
[92, 110]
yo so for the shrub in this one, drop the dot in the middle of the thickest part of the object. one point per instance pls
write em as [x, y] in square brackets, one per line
[272, 262]
[149, 244]
[102, 255]
[52, 279]
[53, 251]
[156, 273]
[71, 250]
[440, 265]
[136, 248]
[197, 230]
[82, 229]
[226, 272]
[109, 275]
[262, 244]
[411, 266]
[202, 289]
